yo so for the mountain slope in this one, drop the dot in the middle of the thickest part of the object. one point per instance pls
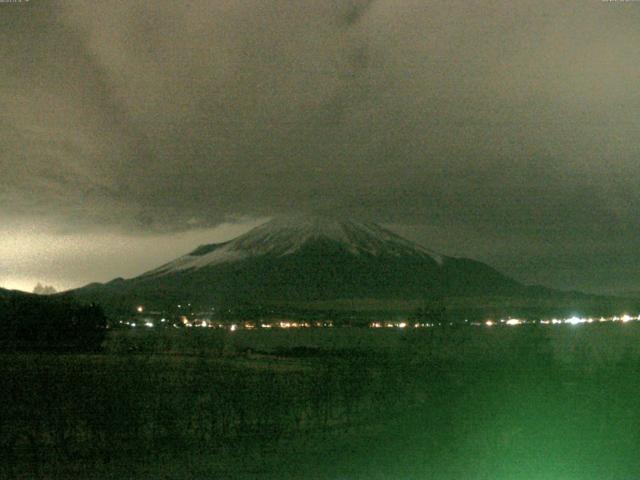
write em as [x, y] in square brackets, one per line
[305, 260]
[280, 238]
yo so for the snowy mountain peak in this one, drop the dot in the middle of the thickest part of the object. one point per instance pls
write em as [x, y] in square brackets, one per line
[286, 236]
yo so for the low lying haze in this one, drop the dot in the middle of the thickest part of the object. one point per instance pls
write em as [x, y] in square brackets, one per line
[504, 131]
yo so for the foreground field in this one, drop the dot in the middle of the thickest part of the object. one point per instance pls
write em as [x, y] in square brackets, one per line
[524, 402]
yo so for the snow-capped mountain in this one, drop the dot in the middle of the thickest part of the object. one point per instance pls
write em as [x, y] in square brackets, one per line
[298, 260]
[283, 237]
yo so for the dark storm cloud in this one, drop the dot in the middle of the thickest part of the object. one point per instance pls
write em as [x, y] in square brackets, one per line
[491, 117]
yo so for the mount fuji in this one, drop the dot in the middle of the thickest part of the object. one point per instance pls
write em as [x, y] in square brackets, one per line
[306, 260]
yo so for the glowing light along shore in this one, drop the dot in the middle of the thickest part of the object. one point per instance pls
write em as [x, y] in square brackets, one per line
[197, 323]
[575, 320]
[399, 324]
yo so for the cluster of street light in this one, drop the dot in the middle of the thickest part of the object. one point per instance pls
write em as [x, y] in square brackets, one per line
[185, 321]
[574, 320]
[400, 324]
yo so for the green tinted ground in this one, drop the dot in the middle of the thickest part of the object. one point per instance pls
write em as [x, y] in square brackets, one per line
[506, 403]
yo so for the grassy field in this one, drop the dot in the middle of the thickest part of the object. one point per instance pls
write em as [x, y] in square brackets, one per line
[344, 403]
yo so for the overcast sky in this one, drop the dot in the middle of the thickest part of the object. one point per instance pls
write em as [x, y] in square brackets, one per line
[506, 131]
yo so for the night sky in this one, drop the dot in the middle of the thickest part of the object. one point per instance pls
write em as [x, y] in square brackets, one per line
[131, 132]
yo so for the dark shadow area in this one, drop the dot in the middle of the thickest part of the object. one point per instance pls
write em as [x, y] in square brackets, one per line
[33, 322]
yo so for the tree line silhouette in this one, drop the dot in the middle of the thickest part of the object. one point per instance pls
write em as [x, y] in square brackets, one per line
[37, 322]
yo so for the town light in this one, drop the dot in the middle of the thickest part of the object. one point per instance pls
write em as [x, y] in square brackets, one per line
[574, 320]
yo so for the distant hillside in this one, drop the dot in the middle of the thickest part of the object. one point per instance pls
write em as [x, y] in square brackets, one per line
[4, 293]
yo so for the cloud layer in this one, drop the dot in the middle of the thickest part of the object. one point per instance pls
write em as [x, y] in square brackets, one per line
[513, 120]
